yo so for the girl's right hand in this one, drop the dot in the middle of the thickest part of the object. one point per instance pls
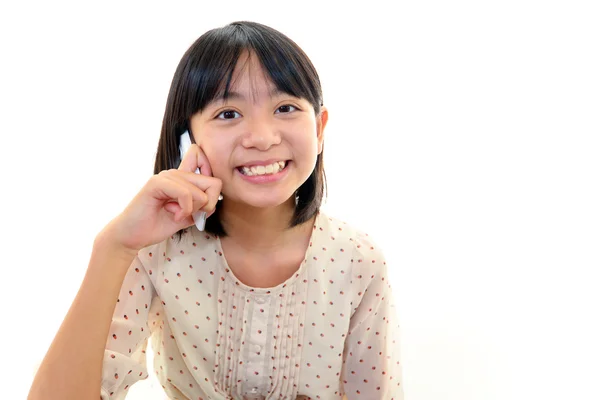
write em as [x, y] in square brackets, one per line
[165, 204]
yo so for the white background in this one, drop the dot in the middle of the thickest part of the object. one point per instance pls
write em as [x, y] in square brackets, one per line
[463, 137]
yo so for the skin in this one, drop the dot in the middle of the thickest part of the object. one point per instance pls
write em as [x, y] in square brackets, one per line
[255, 216]
[259, 125]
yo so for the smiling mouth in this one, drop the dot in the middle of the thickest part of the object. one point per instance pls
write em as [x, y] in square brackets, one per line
[261, 170]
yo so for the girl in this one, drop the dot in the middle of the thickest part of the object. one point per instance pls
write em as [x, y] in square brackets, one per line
[275, 300]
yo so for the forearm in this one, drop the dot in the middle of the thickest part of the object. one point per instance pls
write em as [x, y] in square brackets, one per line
[72, 367]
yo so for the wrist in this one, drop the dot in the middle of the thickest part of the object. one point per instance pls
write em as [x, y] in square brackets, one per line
[107, 243]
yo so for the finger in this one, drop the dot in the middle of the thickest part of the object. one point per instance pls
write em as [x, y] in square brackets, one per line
[184, 194]
[209, 185]
[178, 216]
[173, 208]
[208, 214]
[195, 158]
[193, 183]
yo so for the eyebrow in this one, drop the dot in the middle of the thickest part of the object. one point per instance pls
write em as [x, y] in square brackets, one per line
[233, 95]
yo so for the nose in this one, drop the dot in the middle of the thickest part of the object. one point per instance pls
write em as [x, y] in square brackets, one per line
[261, 134]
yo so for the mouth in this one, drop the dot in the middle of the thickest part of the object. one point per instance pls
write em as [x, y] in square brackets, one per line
[264, 170]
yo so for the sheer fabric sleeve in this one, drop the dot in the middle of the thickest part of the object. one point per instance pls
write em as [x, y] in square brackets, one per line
[125, 352]
[372, 365]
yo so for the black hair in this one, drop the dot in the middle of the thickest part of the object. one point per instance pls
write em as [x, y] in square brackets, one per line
[205, 72]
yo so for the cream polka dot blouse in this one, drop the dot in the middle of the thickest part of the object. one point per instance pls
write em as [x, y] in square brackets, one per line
[330, 330]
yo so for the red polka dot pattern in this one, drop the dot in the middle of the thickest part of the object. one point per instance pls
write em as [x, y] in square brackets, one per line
[329, 330]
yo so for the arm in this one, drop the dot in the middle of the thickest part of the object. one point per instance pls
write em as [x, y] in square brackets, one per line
[72, 367]
[372, 367]
[81, 362]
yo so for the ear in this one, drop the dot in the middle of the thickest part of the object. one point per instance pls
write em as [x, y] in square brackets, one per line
[321, 122]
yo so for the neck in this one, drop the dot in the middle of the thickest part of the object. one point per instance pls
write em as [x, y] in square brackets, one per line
[260, 231]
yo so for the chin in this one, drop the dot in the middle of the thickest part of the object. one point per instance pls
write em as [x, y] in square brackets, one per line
[259, 201]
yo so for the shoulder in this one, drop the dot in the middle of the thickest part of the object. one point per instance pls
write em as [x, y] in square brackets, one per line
[364, 253]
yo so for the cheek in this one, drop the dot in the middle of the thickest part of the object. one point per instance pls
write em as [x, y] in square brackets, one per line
[309, 144]
[218, 155]
[304, 137]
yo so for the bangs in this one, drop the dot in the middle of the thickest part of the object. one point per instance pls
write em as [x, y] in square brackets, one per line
[208, 73]
[205, 73]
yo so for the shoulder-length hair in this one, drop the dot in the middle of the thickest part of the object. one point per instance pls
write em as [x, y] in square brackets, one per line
[206, 71]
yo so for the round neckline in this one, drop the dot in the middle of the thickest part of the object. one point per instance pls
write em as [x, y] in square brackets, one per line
[268, 290]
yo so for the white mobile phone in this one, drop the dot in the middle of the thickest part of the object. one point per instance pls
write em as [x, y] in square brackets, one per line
[185, 143]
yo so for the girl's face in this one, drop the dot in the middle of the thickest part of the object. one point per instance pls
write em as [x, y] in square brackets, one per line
[257, 129]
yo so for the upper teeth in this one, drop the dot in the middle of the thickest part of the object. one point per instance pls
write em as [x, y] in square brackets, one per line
[264, 169]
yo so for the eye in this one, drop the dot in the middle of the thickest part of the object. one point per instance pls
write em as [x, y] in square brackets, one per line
[286, 109]
[229, 114]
